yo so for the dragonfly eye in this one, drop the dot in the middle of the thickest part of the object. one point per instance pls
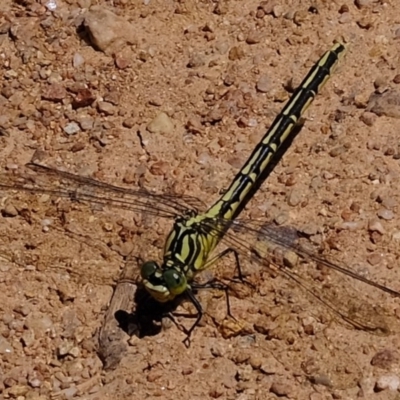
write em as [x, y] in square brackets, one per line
[148, 269]
[175, 280]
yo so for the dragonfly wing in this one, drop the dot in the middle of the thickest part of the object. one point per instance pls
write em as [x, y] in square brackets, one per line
[67, 185]
[324, 363]
[338, 288]
[96, 255]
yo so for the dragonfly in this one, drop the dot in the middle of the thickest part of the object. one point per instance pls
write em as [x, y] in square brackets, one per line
[195, 235]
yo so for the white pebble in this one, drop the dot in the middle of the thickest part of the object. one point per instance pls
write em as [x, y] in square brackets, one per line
[390, 382]
[72, 128]
[78, 60]
[51, 5]
[5, 346]
[252, 122]
[47, 222]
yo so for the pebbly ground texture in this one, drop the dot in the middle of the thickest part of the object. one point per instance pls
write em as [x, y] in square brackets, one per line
[172, 96]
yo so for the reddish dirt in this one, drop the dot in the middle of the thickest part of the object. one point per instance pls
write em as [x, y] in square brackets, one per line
[202, 63]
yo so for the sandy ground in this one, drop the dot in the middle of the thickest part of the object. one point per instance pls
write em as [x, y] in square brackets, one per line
[219, 71]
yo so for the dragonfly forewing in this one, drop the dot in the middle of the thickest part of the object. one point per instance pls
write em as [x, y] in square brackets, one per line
[41, 179]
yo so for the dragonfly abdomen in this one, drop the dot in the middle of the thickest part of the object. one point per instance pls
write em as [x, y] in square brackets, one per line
[227, 207]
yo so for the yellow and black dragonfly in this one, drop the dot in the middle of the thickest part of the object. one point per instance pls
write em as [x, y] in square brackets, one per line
[195, 234]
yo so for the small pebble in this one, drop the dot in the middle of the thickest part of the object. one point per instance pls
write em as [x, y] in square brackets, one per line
[396, 235]
[386, 214]
[75, 368]
[280, 388]
[396, 79]
[387, 382]
[18, 391]
[112, 97]
[337, 151]
[263, 84]
[222, 47]
[129, 123]
[5, 346]
[300, 17]
[156, 101]
[106, 108]
[374, 225]
[366, 385]
[281, 218]
[374, 258]
[380, 84]
[389, 203]
[385, 358]
[193, 125]
[387, 103]
[28, 337]
[267, 6]
[64, 348]
[104, 27]
[54, 92]
[121, 62]
[196, 60]
[236, 53]
[39, 323]
[290, 259]
[294, 198]
[277, 11]
[9, 211]
[22, 309]
[255, 361]
[71, 128]
[361, 99]
[74, 352]
[78, 60]
[368, 118]
[289, 15]
[83, 98]
[345, 18]
[86, 123]
[260, 13]
[51, 5]
[161, 124]
[322, 379]
[271, 366]
[254, 37]
[68, 393]
[47, 222]
[35, 379]
[351, 225]
[362, 3]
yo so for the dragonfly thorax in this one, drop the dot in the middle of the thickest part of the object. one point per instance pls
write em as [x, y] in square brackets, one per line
[185, 252]
[163, 283]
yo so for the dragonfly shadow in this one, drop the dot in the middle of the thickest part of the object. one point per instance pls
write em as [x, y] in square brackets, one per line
[146, 319]
[120, 322]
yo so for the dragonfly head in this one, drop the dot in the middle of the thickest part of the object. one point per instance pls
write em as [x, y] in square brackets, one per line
[163, 284]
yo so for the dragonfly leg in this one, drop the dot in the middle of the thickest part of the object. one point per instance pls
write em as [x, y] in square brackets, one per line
[238, 268]
[200, 313]
[214, 284]
[224, 253]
